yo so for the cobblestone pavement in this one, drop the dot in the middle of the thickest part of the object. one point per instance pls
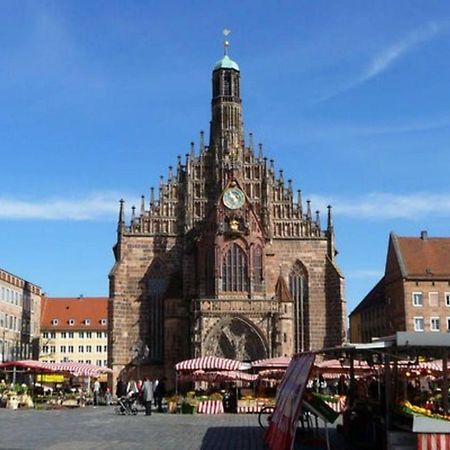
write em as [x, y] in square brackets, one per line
[101, 428]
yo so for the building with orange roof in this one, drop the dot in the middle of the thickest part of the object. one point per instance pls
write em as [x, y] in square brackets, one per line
[414, 293]
[20, 308]
[74, 329]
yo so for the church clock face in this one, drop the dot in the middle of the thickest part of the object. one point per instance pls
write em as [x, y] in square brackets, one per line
[233, 198]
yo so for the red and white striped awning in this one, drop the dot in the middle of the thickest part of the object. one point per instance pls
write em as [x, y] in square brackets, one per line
[336, 365]
[74, 368]
[79, 369]
[208, 363]
[276, 363]
[218, 376]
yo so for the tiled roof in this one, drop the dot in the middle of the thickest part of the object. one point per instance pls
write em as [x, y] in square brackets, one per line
[425, 257]
[373, 298]
[79, 313]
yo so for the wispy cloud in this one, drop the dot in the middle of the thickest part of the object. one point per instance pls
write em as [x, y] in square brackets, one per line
[92, 207]
[388, 56]
[386, 206]
[104, 206]
[384, 59]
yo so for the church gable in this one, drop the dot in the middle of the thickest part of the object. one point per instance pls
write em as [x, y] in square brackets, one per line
[197, 265]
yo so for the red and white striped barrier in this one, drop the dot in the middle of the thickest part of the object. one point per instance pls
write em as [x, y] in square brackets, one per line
[210, 407]
[338, 406]
[249, 409]
[433, 441]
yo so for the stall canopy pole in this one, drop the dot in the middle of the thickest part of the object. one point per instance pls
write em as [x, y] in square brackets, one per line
[387, 392]
[444, 381]
[352, 387]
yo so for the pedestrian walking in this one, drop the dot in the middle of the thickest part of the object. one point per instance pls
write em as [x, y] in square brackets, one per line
[160, 392]
[96, 390]
[147, 396]
[121, 388]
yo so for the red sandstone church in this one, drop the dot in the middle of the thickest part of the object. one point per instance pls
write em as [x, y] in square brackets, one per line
[223, 261]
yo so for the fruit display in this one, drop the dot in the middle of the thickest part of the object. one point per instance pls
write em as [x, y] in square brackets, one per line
[409, 408]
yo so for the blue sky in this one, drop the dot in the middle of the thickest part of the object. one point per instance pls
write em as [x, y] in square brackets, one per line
[350, 98]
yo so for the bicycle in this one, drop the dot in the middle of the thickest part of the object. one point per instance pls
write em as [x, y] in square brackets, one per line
[305, 420]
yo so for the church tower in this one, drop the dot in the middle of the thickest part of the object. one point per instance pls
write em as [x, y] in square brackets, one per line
[224, 260]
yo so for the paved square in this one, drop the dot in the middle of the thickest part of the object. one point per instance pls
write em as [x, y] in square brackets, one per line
[101, 428]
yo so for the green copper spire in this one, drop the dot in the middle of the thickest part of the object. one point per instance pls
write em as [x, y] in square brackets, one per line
[226, 62]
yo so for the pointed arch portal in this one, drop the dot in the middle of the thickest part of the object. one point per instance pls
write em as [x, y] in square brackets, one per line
[235, 338]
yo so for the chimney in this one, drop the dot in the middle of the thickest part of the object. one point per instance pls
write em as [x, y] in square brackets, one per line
[424, 235]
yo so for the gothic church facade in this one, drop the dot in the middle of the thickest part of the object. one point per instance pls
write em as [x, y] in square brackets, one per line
[224, 260]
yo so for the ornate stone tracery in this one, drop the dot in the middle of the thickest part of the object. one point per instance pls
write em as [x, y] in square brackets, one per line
[235, 338]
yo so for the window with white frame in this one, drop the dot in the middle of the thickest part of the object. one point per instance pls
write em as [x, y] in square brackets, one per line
[52, 348]
[63, 349]
[71, 322]
[87, 321]
[103, 321]
[417, 298]
[54, 322]
[45, 334]
[98, 362]
[70, 334]
[70, 349]
[433, 298]
[447, 299]
[88, 348]
[81, 348]
[105, 348]
[45, 349]
[52, 334]
[88, 361]
[63, 335]
[448, 324]
[434, 324]
[81, 334]
[99, 334]
[89, 334]
[99, 348]
[418, 324]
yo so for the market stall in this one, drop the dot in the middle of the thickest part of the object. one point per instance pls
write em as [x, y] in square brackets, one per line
[34, 370]
[216, 372]
[399, 402]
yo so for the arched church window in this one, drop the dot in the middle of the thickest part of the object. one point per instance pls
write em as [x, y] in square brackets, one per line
[234, 270]
[227, 83]
[257, 267]
[156, 288]
[298, 286]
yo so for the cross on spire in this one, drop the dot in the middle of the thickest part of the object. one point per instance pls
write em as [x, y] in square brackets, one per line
[226, 43]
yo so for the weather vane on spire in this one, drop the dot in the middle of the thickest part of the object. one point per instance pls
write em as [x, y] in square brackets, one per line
[226, 43]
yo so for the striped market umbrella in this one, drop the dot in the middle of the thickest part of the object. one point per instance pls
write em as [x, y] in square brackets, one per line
[208, 363]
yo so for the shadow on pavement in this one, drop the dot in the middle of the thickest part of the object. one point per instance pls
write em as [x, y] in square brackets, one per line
[232, 438]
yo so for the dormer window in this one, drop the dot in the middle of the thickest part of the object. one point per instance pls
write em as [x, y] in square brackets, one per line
[103, 321]
[87, 321]
[54, 322]
[71, 322]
